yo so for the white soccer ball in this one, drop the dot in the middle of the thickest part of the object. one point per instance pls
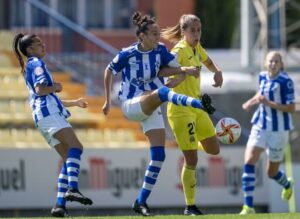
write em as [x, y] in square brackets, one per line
[228, 130]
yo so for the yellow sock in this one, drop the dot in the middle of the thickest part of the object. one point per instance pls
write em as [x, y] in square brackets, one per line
[188, 179]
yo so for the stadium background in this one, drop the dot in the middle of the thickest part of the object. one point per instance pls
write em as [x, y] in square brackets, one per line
[81, 38]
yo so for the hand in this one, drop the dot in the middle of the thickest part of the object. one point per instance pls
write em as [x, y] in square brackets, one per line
[246, 106]
[192, 70]
[106, 107]
[81, 102]
[206, 103]
[218, 78]
[57, 87]
[174, 82]
[262, 99]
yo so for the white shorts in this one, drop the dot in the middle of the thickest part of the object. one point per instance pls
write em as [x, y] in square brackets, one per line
[133, 111]
[273, 142]
[51, 124]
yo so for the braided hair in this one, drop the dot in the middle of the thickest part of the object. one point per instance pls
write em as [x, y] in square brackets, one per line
[21, 43]
[142, 22]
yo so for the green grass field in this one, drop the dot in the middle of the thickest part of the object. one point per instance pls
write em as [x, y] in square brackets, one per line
[216, 216]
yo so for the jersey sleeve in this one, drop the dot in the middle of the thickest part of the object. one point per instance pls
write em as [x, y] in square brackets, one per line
[38, 73]
[168, 58]
[118, 63]
[203, 54]
[178, 53]
[288, 92]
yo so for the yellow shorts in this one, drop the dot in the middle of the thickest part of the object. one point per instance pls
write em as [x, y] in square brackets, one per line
[191, 129]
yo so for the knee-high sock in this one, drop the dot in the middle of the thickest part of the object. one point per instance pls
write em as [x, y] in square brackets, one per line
[165, 94]
[62, 186]
[281, 179]
[73, 167]
[248, 182]
[157, 159]
[188, 179]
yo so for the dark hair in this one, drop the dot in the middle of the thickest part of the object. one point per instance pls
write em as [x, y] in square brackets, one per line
[21, 43]
[142, 22]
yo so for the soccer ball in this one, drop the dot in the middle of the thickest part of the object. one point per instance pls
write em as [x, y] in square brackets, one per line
[228, 130]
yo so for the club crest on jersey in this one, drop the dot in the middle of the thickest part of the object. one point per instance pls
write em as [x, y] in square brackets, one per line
[38, 71]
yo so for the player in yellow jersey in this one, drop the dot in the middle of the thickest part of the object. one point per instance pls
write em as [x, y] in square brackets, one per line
[191, 126]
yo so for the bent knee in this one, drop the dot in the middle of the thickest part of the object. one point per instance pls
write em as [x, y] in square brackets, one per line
[212, 149]
[215, 151]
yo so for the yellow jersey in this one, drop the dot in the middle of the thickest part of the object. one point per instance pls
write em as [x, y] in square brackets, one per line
[187, 56]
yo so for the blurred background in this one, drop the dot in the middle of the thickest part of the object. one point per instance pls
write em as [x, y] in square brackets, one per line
[81, 37]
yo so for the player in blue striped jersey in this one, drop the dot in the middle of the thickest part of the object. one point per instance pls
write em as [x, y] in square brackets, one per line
[143, 91]
[49, 114]
[271, 124]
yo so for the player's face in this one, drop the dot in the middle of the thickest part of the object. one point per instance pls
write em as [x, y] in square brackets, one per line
[150, 39]
[273, 63]
[192, 33]
[37, 48]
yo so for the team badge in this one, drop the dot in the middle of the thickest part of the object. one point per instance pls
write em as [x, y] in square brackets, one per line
[38, 71]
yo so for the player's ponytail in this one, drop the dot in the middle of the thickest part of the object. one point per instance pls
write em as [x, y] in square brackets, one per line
[20, 43]
[17, 53]
[174, 34]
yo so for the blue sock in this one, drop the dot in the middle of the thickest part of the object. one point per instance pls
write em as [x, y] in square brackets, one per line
[281, 179]
[165, 94]
[248, 182]
[157, 159]
[62, 186]
[73, 166]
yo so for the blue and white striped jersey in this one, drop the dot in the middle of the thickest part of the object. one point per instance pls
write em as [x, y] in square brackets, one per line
[42, 106]
[139, 69]
[279, 90]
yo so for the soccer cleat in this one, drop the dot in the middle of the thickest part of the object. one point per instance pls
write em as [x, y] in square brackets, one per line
[59, 211]
[206, 103]
[192, 210]
[75, 195]
[287, 193]
[247, 210]
[142, 208]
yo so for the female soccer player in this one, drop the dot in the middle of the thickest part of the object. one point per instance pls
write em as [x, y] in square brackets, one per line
[195, 126]
[271, 123]
[49, 114]
[142, 92]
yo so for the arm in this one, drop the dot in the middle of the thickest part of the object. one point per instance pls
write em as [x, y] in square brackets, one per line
[169, 71]
[107, 87]
[44, 90]
[174, 82]
[211, 66]
[251, 102]
[289, 108]
[81, 102]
